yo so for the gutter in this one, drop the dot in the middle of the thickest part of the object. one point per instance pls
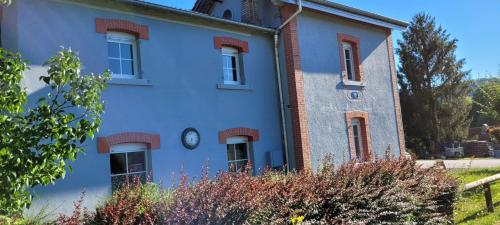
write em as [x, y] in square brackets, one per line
[280, 88]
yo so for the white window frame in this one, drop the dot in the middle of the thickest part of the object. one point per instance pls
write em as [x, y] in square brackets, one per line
[231, 52]
[130, 148]
[124, 38]
[347, 46]
[356, 125]
[234, 141]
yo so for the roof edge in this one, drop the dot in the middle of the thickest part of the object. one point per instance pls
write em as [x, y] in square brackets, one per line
[352, 13]
[195, 15]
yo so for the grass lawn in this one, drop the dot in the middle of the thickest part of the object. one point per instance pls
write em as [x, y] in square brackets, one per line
[471, 206]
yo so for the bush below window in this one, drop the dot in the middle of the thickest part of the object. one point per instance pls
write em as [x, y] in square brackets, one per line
[380, 192]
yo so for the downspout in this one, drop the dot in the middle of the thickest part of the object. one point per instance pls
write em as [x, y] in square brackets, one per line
[280, 88]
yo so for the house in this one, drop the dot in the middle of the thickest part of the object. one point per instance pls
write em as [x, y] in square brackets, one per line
[276, 82]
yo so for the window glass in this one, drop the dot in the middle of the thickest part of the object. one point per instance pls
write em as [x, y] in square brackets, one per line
[122, 55]
[113, 50]
[241, 151]
[118, 163]
[136, 162]
[127, 67]
[356, 129]
[114, 66]
[230, 63]
[128, 162]
[237, 155]
[126, 51]
[230, 152]
[349, 61]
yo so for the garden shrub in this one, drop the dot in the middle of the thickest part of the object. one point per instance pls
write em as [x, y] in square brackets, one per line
[135, 203]
[393, 191]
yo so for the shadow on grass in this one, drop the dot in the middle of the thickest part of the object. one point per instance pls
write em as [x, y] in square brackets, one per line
[477, 215]
[473, 193]
[486, 172]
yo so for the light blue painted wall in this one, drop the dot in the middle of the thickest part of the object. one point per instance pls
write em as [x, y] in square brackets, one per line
[325, 96]
[183, 66]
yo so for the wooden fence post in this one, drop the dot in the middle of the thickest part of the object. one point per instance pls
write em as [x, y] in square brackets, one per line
[487, 196]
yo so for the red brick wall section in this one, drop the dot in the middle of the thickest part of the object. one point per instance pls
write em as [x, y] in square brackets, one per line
[296, 90]
[105, 25]
[253, 135]
[151, 140]
[365, 134]
[354, 41]
[220, 42]
[395, 91]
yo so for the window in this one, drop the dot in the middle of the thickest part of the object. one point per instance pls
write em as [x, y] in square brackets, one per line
[122, 55]
[128, 161]
[349, 61]
[358, 143]
[237, 153]
[228, 15]
[231, 66]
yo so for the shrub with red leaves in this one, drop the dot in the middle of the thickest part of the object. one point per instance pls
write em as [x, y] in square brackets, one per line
[80, 214]
[134, 203]
[392, 191]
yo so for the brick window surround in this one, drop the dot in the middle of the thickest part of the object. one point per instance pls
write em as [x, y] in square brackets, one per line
[355, 43]
[151, 140]
[220, 42]
[365, 134]
[251, 134]
[105, 25]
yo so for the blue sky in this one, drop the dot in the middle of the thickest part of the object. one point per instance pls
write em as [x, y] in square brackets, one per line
[476, 24]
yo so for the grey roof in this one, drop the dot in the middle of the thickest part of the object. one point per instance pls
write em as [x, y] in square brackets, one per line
[208, 18]
[188, 13]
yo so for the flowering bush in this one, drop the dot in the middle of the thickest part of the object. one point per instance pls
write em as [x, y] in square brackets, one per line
[380, 192]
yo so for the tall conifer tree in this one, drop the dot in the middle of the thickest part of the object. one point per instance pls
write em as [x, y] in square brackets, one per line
[434, 87]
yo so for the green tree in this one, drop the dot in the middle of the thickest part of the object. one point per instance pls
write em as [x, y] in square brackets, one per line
[486, 108]
[5, 2]
[433, 87]
[37, 142]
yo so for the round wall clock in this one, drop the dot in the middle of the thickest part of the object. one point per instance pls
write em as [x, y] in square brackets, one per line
[190, 138]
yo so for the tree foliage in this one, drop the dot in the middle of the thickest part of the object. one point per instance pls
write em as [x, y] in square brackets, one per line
[434, 88]
[36, 142]
[486, 108]
[5, 2]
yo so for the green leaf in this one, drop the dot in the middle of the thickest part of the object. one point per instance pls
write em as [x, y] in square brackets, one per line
[37, 143]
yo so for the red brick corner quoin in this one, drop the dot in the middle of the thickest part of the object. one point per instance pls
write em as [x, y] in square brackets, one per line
[395, 92]
[105, 25]
[354, 41]
[220, 42]
[151, 140]
[300, 131]
[253, 135]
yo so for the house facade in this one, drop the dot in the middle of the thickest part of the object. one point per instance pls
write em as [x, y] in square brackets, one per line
[280, 83]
